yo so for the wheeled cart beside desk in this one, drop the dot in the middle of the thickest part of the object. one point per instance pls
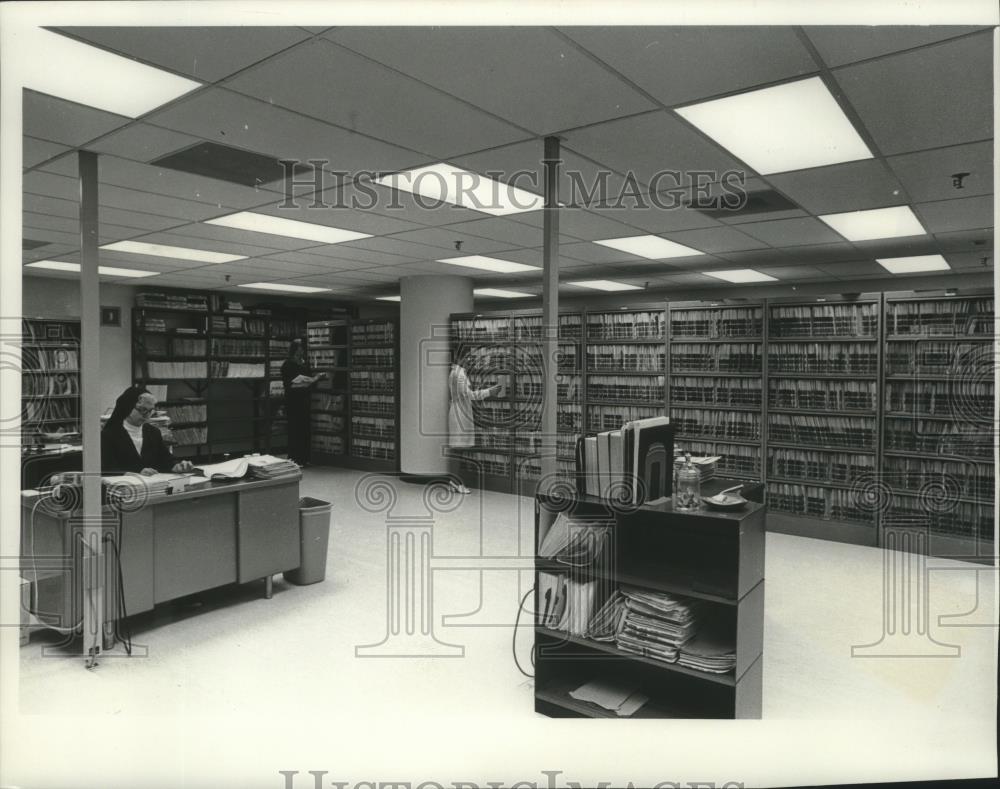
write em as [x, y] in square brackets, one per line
[170, 546]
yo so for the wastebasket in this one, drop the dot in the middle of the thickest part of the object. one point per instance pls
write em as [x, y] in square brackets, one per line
[314, 536]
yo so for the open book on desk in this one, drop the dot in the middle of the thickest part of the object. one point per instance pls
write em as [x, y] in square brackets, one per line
[262, 466]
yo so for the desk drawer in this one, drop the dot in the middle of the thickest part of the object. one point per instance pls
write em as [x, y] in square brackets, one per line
[195, 545]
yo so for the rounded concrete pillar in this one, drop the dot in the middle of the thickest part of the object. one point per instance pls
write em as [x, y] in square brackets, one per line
[426, 302]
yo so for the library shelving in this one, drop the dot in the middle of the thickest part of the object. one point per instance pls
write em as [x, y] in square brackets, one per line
[822, 374]
[716, 382]
[50, 377]
[709, 563]
[355, 409]
[214, 362]
[506, 348]
[858, 411]
[938, 432]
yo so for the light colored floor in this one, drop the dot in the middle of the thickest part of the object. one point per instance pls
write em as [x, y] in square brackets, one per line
[235, 653]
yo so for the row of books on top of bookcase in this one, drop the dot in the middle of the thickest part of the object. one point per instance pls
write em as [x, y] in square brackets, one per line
[50, 384]
[238, 324]
[45, 359]
[838, 357]
[49, 331]
[518, 327]
[964, 520]
[940, 317]
[716, 322]
[530, 327]
[818, 467]
[626, 325]
[937, 357]
[687, 390]
[640, 358]
[717, 358]
[820, 502]
[734, 425]
[373, 357]
[824, 320]
[813, 430]
[845, 395]
[940, 480]
[963, 400]
[377, 333]
[177, 301]
[215, 369]
[938, 437]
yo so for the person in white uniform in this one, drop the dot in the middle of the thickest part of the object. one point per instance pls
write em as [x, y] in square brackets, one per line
[461, 421]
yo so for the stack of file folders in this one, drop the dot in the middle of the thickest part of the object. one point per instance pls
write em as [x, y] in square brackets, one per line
[710, 650]
[705, 465]
[656, 625]
[269, 466]
[574, 541]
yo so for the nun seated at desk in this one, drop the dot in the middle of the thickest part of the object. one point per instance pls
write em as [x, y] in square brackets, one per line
[130, 443]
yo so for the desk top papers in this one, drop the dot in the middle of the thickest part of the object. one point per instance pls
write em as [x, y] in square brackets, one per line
[259, 466]
[132, 486]
[656, 624]
[623, 700]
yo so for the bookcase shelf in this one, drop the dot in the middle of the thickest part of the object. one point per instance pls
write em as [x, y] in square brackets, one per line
[834, 326]
[221, 356]
[712, 562]
[50, 379]
[355, 412]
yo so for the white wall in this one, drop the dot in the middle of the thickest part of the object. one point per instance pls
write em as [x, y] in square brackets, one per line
[52, 297]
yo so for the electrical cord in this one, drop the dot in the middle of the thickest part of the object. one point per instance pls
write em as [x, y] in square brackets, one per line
[513, 641]
[122, 620]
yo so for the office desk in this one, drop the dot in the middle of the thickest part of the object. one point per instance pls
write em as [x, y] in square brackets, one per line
[172, 546]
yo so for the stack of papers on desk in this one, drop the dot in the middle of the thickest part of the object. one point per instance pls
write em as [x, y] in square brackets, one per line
[623, 700]
[130, 486]
[656, 624]
[227, 470]
[269, 466]
[711, 650]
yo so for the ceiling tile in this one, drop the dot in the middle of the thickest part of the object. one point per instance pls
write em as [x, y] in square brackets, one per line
[840, 44]
[374, 100]
[970, 213]
[647, 145]
[367, 257]
[35, 151]
[64, 121]
[505, 231]
[853, 186]
[965, 240]
[444, 239]
[820, 253]
[716, 239]
[392, 246]
[581, 181]
[57, 251]
[204, 53]
[512, 72]
[897, 247]
[53, 206]
[179, 239]
[582, 224]
[226, 117]
[853, 268]
[727, 58]
[793, 272]
[334, 211]
[164, 181]
[127, 259]
[926, 98]
[594, 253]
[927, 175]
[326, 262]
[970, 261]
[231, 236]
[652, 218]
[372, 199]
[791, 232]
[143, 142]
[275, 267]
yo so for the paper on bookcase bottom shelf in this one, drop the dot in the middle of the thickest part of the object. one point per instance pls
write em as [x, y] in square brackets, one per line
[623, 700]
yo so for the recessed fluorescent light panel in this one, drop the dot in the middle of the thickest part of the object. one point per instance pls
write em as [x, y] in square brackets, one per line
[488, 264]
[891, 222]
[283, 287]
[792, 126]
[445, 183]
[107, 271]
[740, 275]
[82, 73]
[291, 228]
[603, 284]
[914, 264]
[388, 298]
[498, 293]
[179, 253]
[652, 247]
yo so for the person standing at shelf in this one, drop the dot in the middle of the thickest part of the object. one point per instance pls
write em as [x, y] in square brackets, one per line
[130, 443]
[461, 421]
[298, 379]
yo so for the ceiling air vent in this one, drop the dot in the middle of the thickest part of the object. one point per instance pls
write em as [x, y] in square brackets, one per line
[225, 163]
[765, 201]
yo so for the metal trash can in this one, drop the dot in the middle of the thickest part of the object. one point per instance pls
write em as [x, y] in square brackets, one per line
[314, 537]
